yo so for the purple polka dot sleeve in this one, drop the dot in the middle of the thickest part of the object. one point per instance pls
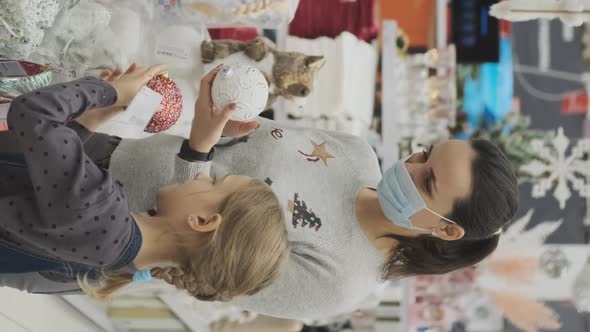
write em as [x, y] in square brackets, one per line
[77, 211]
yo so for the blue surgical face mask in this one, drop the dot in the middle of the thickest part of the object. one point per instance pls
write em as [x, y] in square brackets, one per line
[399, 197]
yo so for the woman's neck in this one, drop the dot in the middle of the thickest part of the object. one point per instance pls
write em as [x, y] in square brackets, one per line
[159, 245]
[375, 224]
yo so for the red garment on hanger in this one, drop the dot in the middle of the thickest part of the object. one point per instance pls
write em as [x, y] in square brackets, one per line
[329, 18]
[242, 34]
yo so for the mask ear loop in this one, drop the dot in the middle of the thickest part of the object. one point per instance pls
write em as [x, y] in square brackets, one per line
[498, 232]
[433, 233]
[442, 217]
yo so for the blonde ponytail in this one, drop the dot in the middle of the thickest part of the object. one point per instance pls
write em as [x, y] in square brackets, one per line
[109, 285]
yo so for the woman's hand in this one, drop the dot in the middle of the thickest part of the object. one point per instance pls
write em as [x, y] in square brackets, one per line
[129, 84]
[208, 123]
[240, 128]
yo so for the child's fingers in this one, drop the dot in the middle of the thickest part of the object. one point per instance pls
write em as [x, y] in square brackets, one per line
[105, 74]
[116, 74]
[208, 79]
[154, 70]
[247, 128]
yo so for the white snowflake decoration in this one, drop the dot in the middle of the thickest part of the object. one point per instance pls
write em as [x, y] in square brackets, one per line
[517, 237]
[554, 168]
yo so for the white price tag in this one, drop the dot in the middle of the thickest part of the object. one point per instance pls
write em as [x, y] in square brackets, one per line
[164, 50]
[175, 46]
[141, 109]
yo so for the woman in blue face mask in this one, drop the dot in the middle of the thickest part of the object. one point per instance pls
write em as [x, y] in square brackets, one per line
[442, 209]
[350, 226]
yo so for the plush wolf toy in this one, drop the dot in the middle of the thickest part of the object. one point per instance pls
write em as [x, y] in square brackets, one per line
[290, 74]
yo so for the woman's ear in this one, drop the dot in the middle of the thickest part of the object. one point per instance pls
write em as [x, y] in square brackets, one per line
[204, 224]
[450, 232]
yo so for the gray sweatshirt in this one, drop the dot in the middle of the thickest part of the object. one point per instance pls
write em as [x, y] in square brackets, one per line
[316, 175]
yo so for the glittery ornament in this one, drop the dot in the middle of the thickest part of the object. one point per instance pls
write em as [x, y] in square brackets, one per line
[38, 76]
[32, 68]
[243, 85]
[24, 84]
[170, 108]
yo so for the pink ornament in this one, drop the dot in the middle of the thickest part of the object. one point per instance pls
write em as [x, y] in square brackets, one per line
[170, 108]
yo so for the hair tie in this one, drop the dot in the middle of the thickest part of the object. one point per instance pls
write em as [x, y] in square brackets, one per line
[143, 275]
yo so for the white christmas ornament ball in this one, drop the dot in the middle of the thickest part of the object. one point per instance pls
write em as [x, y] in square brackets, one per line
[243, 85]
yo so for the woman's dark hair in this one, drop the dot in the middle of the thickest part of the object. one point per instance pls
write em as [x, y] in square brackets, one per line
[492, 203]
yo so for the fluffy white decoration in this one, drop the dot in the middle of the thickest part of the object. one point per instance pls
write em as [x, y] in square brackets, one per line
[118, 45]
[22, 23]
[70, 43]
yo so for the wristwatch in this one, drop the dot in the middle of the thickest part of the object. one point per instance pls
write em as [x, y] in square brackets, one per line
[189, 154]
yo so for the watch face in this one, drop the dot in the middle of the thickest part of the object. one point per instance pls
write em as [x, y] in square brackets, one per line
[189, 154]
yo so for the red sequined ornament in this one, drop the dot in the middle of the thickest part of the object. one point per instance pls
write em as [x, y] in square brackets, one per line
[170, 108]
[32, 69]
